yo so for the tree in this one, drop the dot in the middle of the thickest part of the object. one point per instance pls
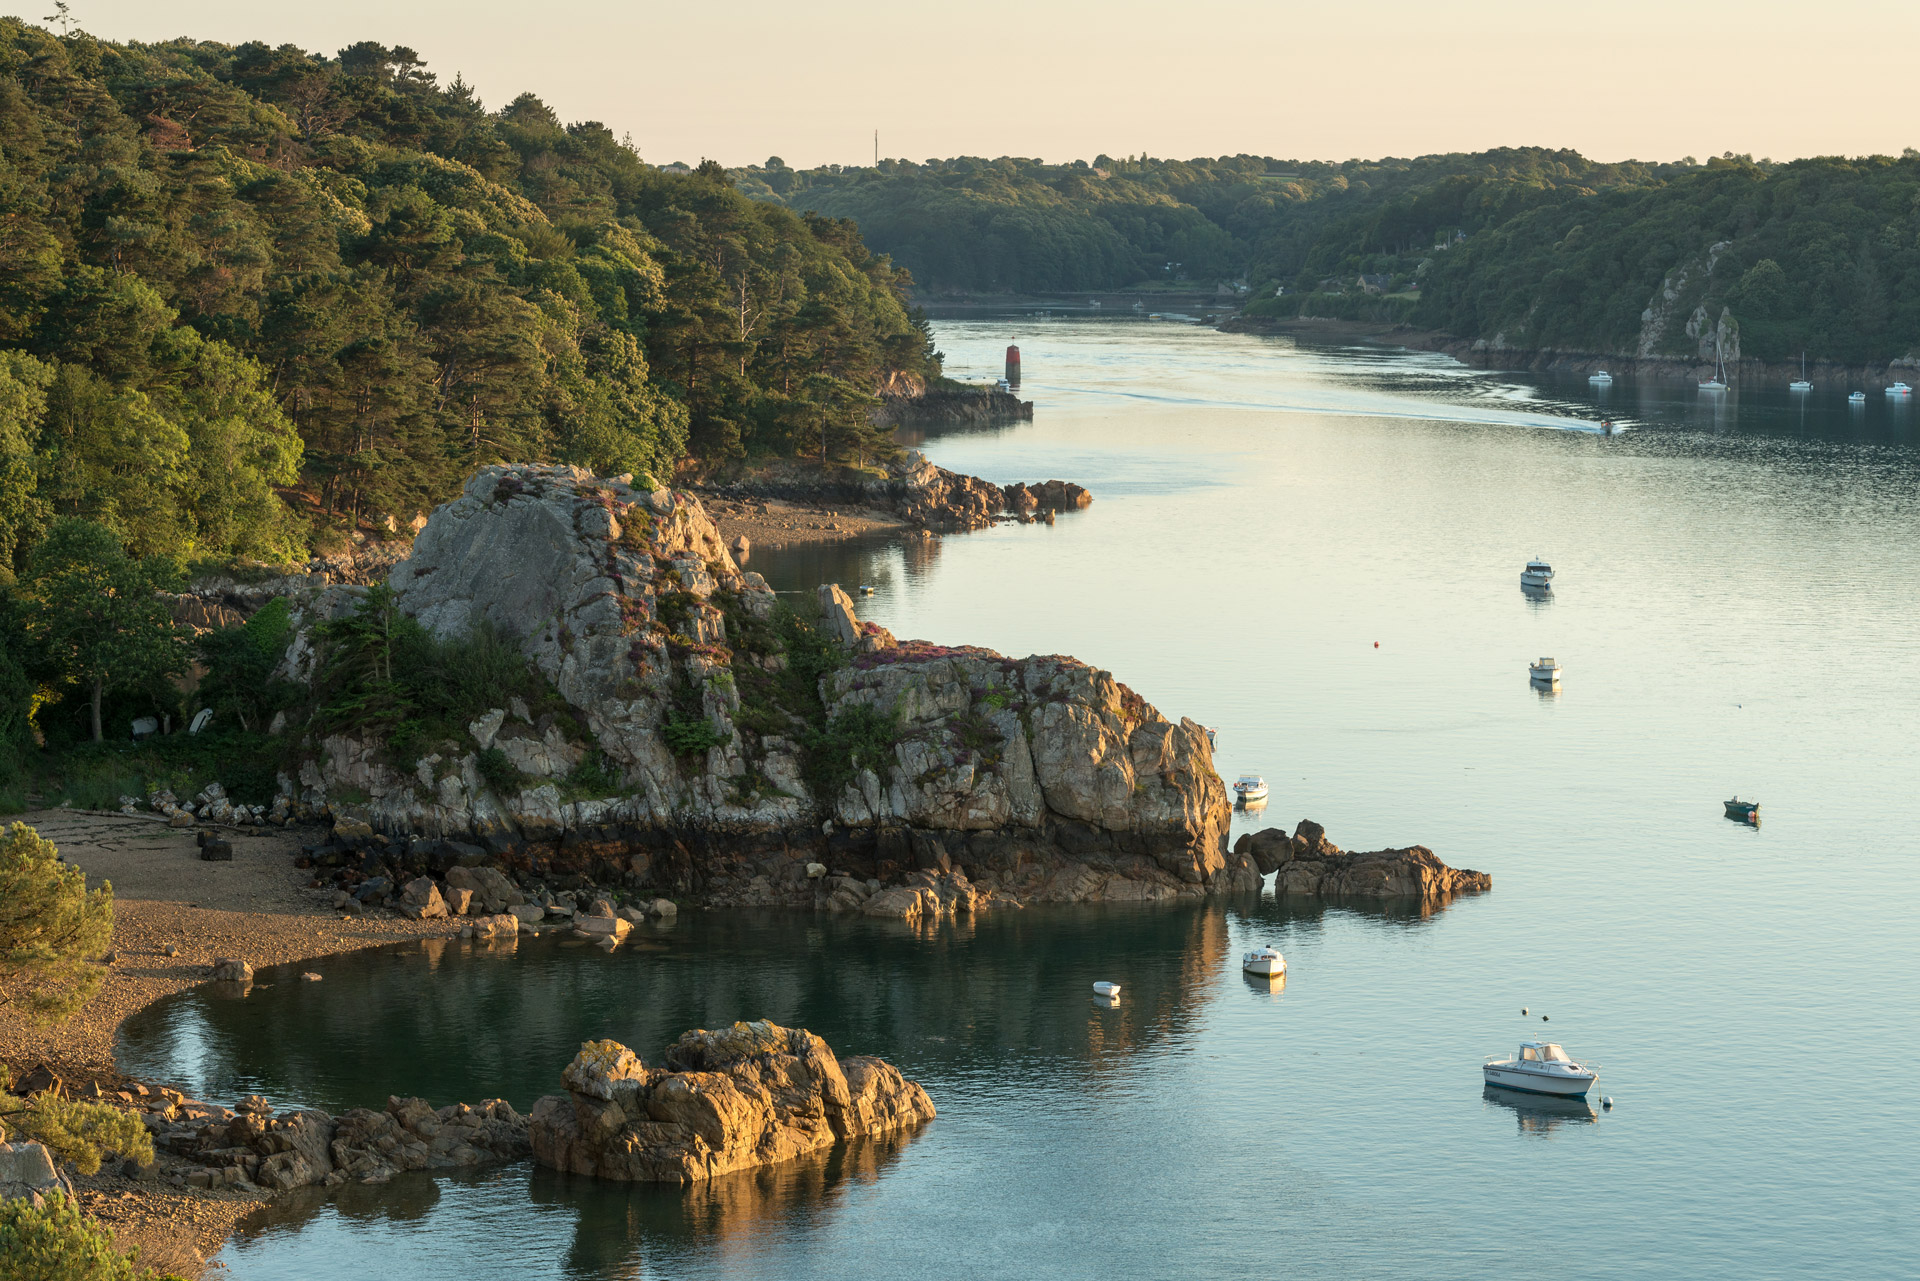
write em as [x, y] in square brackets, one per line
[96, 614]
[52, 930]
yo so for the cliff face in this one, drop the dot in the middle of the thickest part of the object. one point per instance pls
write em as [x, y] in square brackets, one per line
[1033, 778]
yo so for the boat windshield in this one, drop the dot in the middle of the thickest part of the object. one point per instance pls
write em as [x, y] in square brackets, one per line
[1554, 1054]
[1529, 1054]
[1251, 778]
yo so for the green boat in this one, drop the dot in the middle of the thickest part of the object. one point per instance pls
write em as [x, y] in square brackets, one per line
[1743, 811]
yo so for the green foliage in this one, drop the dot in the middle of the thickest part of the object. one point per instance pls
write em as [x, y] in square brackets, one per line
[594, 777]
[1819, 255]
[96, 775]
[689, 734]
[77, 1131]
[240, 662]
[382, 671]
[52, 929]
[1014, 225]
[92, 611]
[234, 273]
[499, 773]
[59, 1243]
[859, 738]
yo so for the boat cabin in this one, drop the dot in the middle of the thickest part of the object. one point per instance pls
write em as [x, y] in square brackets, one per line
[1542, 1052]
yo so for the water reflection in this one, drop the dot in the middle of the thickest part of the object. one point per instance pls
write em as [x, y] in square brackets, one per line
[1539, 1113]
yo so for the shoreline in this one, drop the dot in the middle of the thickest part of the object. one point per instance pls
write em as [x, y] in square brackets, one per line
[1479, 354]
[257, 907]
[782, 522]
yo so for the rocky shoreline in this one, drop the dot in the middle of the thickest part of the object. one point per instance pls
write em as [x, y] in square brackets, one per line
[1829, 376]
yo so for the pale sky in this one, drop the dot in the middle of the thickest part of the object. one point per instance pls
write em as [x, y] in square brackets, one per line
[739, 80]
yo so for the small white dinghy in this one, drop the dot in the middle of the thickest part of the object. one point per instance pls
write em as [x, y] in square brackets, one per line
[1250, 787]
[1542, 1067]
[1265, 961]
[1106, 989]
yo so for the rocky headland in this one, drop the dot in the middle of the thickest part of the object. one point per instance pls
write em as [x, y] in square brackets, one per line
[726, 774]
[910, 491]
[751, 1095]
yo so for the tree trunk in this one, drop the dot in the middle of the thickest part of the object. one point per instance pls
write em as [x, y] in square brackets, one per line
[99, 691]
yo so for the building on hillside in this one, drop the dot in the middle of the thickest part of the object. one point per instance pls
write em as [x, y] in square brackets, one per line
[1373, 284]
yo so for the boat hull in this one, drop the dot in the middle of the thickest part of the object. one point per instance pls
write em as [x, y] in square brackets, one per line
[1570, 1086]
[1251, 794]
[1267, 967]
[1540, 581]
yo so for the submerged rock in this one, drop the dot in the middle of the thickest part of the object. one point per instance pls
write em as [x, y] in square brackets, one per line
[750, 1095]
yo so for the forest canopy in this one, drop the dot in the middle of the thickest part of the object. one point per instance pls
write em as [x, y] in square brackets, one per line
[250, 295]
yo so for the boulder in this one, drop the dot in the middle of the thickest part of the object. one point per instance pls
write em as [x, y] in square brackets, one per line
[608, 929]
[503, 926]
[528, 913]
[837, 618]
[28, 1171]
[420, 900]
[742, 1097]
[489, 886]
[217, 851]
[459, 901]
[230, 969]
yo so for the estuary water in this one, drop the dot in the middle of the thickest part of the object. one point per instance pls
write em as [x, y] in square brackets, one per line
[1315, 549]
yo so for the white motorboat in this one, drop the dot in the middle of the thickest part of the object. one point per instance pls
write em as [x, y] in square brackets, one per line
[1542, 1068]
[1250, 787]
[1899, 389]
[1265, 961]
[1858, 398]
[1106, 989]
[1544, 672]
[1600, 378]
[1537, 574]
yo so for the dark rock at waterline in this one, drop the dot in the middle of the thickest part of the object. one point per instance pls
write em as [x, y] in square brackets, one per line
[1310, 865]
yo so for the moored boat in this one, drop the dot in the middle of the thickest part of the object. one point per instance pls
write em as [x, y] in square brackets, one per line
[1537, 574]
[1265, 961]
[1250, 787]
[1858, 398]
[1742, 811]
[1544, 672]
[1541, 1067]
[1899, 390]
[1600, 377]
[1106, 989]
[1801, 383]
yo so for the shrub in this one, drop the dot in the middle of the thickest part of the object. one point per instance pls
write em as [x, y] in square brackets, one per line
[58, 1243]
[689, 735]
[499, 773]
[859, 738]
[51, 929]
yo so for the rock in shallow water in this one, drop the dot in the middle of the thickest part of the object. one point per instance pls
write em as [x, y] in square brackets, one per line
[750, 1095]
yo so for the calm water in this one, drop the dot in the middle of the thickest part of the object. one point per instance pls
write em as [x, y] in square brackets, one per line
[1738, 608]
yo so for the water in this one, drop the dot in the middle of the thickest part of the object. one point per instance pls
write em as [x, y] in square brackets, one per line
[1737, 608]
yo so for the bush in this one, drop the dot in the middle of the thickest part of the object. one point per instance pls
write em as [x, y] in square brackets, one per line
[689, 735]
[499, 773]
[859, 738]
[76, 1131]
[240, 664]
[51, 930]
[59, 1243]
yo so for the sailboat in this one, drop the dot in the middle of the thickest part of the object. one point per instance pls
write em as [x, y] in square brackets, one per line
[1802, 384]
[1719, 380]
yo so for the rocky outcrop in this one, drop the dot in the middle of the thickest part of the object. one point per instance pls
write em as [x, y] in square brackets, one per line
[1035, 778]
[952, 405]
[911, 489]
[752, 1095]
[28, 1172]
[1309, 865]
[250, 1145]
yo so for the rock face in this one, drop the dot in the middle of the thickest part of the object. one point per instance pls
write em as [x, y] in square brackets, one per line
[1014, 778]
[1310, 865]
[751, 1095]
[28, 1171]
[252, 1146]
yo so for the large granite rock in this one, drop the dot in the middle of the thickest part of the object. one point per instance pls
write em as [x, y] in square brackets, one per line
[751, 1095]
[1309, 865]
[1038, 778]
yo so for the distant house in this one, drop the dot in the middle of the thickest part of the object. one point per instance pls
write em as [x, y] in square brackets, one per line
[1373, 284]
[1332, 286]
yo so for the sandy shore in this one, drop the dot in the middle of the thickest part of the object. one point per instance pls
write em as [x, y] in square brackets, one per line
[776, 522]
[258, 908]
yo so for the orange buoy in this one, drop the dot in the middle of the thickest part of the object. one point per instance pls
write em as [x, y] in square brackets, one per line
[1376, 644]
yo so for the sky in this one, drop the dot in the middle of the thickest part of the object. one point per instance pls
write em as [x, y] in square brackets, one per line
[741, 80]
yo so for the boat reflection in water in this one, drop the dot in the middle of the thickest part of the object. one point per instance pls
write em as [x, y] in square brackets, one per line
[1540, 1113]
[1274, 984]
